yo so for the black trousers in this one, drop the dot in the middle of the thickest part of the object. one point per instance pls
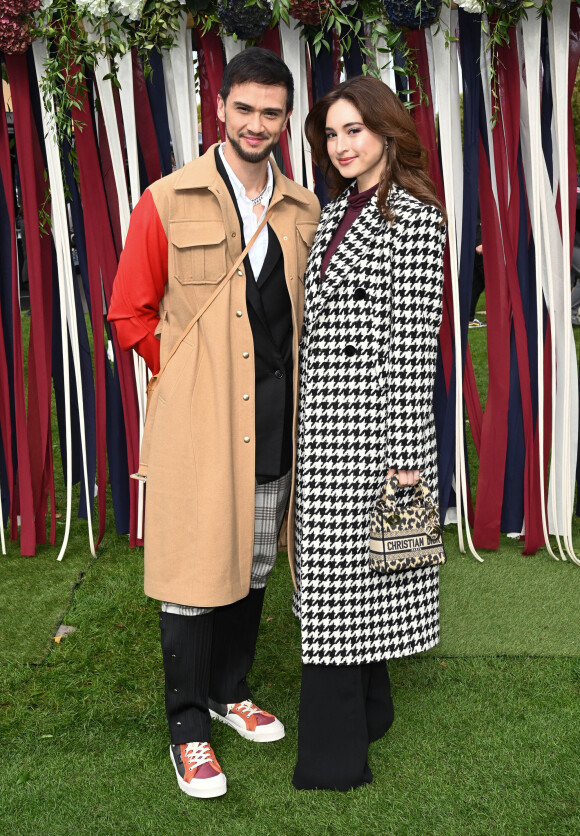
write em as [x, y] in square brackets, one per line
[343, 708]
[207, 656]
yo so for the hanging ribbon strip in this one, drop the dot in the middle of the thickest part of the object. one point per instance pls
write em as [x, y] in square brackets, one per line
[181, 99]
[564, 432]
[231, 47]
[293, 54]
[69, 327]
[494, 433]
[33, 439]
[211, 68]
[529, 36]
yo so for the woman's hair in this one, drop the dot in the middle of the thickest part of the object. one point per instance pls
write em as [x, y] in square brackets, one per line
[384, 114]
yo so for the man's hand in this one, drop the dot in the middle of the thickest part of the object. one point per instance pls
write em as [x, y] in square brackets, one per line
[407, 478]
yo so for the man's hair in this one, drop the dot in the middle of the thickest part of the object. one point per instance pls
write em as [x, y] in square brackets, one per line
[260, 66]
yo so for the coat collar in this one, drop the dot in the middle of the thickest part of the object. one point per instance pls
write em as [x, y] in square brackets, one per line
[203, 174]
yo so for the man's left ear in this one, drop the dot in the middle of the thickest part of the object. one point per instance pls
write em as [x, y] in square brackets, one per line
[288, 115]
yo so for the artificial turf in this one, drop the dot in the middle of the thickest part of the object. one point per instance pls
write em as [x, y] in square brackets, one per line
[480, 745]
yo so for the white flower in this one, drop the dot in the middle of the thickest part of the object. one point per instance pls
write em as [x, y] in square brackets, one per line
[94, 8]
[473, 6]
[128, 8]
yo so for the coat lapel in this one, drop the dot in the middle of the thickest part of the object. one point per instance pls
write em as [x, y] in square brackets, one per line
[358, 245]
[331, 217]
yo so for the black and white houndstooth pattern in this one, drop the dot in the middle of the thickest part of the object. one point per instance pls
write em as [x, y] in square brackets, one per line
[367, 367]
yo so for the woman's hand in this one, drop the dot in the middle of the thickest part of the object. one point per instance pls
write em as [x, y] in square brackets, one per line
[407, 478]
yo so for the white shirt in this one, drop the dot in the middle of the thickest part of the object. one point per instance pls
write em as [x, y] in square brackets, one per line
[249, 217]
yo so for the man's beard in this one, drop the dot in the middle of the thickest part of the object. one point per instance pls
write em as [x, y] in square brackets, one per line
[250, 156]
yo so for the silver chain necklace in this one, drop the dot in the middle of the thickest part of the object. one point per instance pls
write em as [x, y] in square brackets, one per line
[256, 200]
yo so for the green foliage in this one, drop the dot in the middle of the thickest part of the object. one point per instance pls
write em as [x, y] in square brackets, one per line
[500, 24]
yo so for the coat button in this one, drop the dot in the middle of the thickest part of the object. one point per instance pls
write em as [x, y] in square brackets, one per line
[359, 294]
[279, 374]
[238, 313]
[284, 238]
[240, 272]
[350, 350]
[245, 355]
[233, 234]
[246, 397]
[175, 691]
[247, 439]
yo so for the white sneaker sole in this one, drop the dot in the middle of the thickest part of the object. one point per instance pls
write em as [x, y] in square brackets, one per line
[263, 734]
[201, 787]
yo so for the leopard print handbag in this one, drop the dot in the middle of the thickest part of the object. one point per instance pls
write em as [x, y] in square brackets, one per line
[405, 536]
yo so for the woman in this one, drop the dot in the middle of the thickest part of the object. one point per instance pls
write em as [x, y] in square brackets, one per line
[367, 365]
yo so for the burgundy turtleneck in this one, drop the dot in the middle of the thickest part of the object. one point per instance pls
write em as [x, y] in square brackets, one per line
[356, 203]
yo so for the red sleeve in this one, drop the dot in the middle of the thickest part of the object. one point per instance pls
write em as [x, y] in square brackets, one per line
[140, 282]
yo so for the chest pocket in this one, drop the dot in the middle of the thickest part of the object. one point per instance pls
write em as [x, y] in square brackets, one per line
[305, 233]
[198, 251]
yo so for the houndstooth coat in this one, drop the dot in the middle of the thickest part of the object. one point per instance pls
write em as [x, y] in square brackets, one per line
[367, 368]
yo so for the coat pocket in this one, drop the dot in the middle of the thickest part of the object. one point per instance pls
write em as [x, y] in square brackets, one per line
[198, 251]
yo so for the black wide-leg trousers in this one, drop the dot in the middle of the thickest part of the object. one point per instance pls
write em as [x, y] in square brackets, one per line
[343, 708]
[207, 656]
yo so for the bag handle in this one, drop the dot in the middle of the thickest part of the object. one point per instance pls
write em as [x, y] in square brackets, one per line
[213, 297]
[420, 489]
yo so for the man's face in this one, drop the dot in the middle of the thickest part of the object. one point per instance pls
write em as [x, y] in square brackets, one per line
[255, 116]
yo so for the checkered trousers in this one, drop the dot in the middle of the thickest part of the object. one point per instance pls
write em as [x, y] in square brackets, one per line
[271, 500]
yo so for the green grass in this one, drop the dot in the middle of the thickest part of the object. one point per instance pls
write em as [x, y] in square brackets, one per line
[479, 745]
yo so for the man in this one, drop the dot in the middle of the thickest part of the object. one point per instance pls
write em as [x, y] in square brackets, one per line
[220, 444]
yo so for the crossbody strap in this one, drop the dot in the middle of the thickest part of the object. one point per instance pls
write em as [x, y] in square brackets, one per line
[214, 295]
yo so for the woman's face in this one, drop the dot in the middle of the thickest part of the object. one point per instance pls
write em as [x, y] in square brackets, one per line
[353, 149]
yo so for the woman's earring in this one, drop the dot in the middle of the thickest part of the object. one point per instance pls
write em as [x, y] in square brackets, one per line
[386, 145]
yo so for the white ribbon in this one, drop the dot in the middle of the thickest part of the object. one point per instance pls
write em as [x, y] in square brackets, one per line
[447, 81]
[2, 541]
[565, 438]
[384, 62]
[180, 95]
[68, 318]
[232, 47]
[529, 39]
[292, 48]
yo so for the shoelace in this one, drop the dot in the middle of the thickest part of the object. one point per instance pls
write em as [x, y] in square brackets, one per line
[199, 753]
[247, 707]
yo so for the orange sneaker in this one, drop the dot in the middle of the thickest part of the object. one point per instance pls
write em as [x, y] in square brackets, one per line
[198, 772]
[248, 720]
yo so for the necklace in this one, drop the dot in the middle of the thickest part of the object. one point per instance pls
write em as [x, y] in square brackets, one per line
[256, 200]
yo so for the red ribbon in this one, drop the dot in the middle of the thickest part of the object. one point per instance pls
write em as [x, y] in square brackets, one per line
[211, 68]
[145, 125]
[34, 458]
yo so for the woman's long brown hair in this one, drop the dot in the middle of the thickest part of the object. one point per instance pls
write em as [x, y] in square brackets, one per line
[384, 114]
